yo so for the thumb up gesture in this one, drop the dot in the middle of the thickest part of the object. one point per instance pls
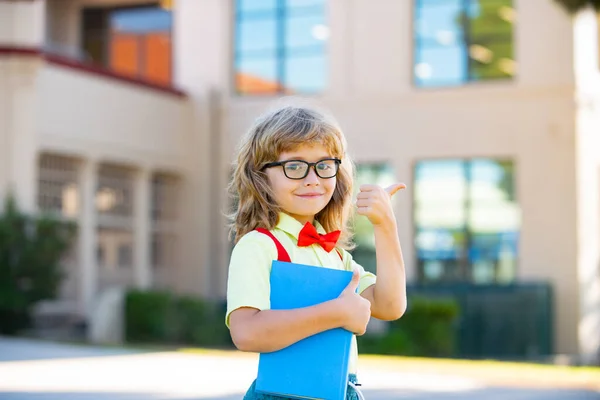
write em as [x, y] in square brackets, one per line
[374, 202]
[356, 310]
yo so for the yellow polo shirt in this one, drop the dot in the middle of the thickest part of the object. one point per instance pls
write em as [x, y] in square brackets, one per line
[250, 267]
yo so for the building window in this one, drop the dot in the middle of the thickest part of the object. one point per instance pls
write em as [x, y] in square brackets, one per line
[115, 210]
[59, 194]
[133, 41]
[58, 185]
[459, 41]
[165, 206]
[280, 46]
[466, 221]
[381, 174]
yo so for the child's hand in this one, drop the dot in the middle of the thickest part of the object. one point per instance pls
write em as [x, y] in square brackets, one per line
[355, 308]
[374, 202]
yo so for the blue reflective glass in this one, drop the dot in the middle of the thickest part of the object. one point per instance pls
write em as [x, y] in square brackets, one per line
[256, 34]
[290, 4]
[309, 31]
[441, 66]
[305, 74]
[456, 41]
[141, 20]
[439, 22]
[440, 181]
[248, 6]
[291, 35]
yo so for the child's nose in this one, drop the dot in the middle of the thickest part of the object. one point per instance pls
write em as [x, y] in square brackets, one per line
[312, 177]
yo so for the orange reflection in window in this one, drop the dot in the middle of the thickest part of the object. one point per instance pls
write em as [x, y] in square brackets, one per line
[157, 66]
[124, 53]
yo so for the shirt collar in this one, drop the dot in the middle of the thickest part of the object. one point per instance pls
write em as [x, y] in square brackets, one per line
[293, 227]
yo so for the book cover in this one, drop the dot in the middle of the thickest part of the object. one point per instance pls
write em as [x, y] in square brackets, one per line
[315, 367]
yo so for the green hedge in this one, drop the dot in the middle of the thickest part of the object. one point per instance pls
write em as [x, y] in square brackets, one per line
[427, 329]
[167, 318]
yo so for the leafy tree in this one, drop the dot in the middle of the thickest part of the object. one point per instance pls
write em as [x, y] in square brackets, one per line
[573, 6]
[31, 249]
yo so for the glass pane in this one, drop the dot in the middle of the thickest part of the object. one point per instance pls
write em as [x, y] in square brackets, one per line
[376, 174]
[491, 18]
[245, 6]
[257, 75]
[256, 35]
[124, 54]
[493, 208]
[491, 60]
[439, 22]
[141, 20]
[493, 257]
[491, 180]
[305, 74]
[157, 51]
[440, 66]
[440, 270]
[440, 244]
[379, 174]
[308, 31]
[499, 217]
[440, 182]
[291, 4]
[115, 248]
[494, 221]
[451, 215]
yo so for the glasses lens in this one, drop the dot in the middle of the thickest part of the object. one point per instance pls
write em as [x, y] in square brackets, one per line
[327, 168]
[295, 169]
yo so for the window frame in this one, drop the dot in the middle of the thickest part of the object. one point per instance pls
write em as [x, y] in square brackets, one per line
[464, 263]
[107, 39]
[469, 81]
[281, 53]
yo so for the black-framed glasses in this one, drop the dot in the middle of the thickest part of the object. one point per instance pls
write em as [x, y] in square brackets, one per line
[298, 169]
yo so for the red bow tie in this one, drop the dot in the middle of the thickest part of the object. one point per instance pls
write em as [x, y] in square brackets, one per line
[309, 235]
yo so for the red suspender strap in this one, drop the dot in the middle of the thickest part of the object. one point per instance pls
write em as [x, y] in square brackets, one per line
[282, 254]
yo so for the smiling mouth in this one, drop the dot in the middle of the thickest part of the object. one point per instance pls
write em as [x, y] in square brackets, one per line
[310, 195]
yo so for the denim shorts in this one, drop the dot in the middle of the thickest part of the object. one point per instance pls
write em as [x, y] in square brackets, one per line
[252, 395]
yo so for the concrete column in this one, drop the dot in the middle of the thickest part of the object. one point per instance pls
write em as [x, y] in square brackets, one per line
[88, 262]
[206, 69]
[22, 23]
[142, 230]
[21, 29]
[588, 184]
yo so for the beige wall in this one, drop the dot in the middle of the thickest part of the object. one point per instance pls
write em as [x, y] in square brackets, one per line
[530, 120]
[119, 120]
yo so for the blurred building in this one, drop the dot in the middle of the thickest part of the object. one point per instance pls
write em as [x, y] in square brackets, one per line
[124, 115]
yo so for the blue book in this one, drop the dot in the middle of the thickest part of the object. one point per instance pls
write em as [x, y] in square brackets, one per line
[315, 367]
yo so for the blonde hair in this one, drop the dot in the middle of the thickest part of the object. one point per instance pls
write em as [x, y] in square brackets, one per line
[282, 130]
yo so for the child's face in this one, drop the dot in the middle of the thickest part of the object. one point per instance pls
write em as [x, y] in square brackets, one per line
[302, 198]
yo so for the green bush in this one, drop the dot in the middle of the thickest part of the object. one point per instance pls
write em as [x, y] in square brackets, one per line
[146, 316]
[31, 249]
[427, 329]
[162, 317]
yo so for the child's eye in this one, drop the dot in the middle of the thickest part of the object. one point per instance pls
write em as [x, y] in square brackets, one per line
[294, 166]
[324, 166]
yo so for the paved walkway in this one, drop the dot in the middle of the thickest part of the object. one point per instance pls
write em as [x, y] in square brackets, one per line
[31, 370]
